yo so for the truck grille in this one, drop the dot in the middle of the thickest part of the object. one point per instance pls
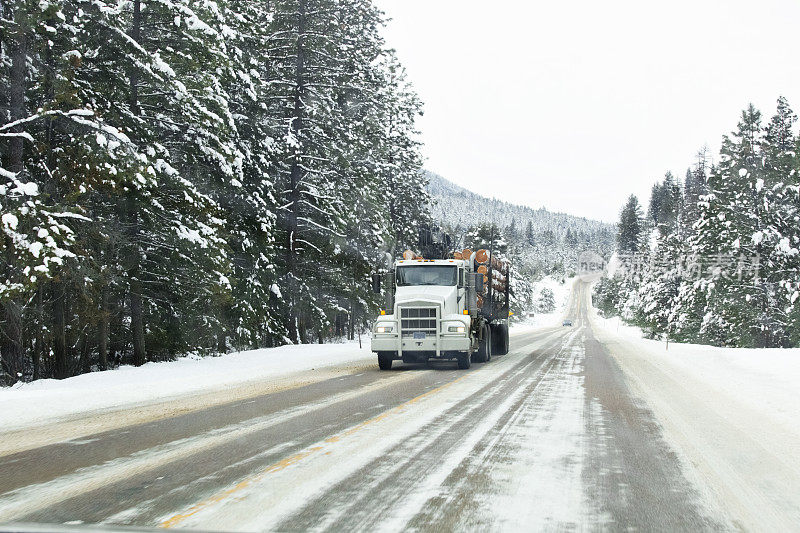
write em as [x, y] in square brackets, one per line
[413, 319]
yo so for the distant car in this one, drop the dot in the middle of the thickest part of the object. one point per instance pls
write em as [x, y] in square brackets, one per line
[567, 323]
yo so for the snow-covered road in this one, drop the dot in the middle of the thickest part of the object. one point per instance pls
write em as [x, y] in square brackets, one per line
[569, 431]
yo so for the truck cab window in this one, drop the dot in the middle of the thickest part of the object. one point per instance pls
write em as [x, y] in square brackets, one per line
[427, 275]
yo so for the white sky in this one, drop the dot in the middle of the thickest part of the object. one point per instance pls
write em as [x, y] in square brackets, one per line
[573, 105]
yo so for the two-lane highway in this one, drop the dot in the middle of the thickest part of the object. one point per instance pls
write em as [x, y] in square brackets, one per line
[546, 437]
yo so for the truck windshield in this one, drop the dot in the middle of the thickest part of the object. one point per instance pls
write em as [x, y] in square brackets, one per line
[427, 275]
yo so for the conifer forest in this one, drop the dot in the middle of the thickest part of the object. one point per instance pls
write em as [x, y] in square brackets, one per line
[715, 258]
[186, 176]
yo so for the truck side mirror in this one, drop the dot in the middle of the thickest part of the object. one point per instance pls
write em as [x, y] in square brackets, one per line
[478, 282]
[376, 283]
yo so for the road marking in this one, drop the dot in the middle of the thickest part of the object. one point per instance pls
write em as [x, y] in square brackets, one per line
[30, 498]
[177, 519]
[79, 442]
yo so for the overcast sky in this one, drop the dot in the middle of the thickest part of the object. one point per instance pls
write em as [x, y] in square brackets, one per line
[573, 105]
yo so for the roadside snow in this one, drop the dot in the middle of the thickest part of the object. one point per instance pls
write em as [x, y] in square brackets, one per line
[731, 414]
[45, 400]
[764, 379]
[561, 291]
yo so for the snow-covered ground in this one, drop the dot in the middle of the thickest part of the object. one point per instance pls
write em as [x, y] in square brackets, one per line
[561, 291]
[405, 457]
[28, 404]
[731, 414]
[766, 379]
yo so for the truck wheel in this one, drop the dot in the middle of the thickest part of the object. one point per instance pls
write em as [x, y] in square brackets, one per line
[464, 361]
[385, 360]
[485, 347]
[500, 339]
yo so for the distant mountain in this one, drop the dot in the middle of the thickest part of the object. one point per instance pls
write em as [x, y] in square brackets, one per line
[538, 241]
[456, 206]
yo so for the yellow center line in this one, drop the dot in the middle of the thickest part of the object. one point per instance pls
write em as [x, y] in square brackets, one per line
[294, 459]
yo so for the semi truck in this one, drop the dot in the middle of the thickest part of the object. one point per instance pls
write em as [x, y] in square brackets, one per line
[455, 308]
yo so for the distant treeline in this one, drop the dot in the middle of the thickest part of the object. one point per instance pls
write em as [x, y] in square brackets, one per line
[716, 259]
[538, 242]
[181, 176]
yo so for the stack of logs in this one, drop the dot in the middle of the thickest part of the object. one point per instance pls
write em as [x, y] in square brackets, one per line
[499, 272]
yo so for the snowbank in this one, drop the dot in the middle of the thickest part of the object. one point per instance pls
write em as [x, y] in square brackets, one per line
[27, 404]
[767, 380]
[561, 291]
[731, 416]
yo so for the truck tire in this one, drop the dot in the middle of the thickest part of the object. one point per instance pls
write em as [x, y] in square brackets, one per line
[500, 339]
[484, 352]
[464, 361]
[385, 360]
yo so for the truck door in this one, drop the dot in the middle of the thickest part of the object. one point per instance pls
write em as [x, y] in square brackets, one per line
[462, 301]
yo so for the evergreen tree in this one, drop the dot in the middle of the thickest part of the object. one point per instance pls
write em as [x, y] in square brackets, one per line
[733, 280]
[546, 302]
[630, 227]
[530, 236]
[180, 176]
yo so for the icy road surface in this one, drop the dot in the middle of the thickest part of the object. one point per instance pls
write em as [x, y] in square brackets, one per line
[548, 437]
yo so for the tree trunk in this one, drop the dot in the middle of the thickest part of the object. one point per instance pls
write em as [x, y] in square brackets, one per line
[137, 324]
[59, 332]
[84, 352]
[301, 330]
[13, 356]
[102, 330]
[116, 334]
[18, 52]
[295, 175]
[136, 35]
[38, 349]
[136, 309]
[352, 323]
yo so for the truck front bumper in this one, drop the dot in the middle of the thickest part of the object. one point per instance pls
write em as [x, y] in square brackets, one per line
[441, 343]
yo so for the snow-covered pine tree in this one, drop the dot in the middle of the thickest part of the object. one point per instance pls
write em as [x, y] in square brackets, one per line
[530, 235]
[50, 170]
[255, 315]
[781, 211]
[695, 185]
[406, 197]
[152, 70]
[313, 57]
[367, 100]
[689, 306]
[717, 237]
[629, 230]
[662, 272]
[747, 304]
[546, 302]
[733, 241]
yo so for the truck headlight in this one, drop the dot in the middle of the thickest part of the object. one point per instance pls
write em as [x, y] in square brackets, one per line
[384, 329]
[457, 329]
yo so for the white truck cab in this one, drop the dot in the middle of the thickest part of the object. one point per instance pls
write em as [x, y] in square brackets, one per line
[432, 313]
